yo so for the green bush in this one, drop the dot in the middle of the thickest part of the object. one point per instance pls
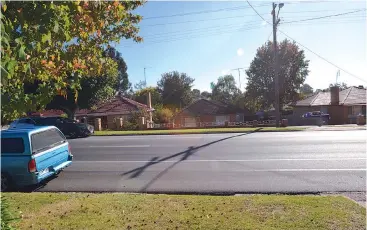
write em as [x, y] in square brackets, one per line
[133, 122]
[162, 115]
[130, 125]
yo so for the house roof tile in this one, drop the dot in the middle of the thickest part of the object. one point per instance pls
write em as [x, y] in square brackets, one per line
[118, 105]
[349, 96]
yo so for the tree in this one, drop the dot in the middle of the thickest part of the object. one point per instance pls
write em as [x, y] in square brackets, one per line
[94, 90]
[342, 86]
[162, 115]
[55, 45]
[225, 90]
[122, 85]
[206, 95]
[140, 85]
[175, 89]
[196, 94]
[293, 69]
[141, 96]
[306, 89]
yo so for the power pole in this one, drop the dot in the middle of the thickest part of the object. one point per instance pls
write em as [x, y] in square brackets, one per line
[145, 77]
[239, 76]
[276, 66]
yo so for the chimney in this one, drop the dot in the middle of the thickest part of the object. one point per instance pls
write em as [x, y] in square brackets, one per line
[334, 95]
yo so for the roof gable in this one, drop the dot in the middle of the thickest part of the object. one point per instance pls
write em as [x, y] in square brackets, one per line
[356, 96]
[118, 105]
[349, 96]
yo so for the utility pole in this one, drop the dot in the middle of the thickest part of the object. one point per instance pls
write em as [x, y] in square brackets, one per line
[239, 76]
[276, 21]
[145, 77]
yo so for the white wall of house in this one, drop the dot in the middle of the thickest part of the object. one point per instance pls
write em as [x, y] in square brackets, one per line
[190, 122]
[221, 119]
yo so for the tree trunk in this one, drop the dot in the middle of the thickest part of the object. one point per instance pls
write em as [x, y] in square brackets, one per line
[69, 112]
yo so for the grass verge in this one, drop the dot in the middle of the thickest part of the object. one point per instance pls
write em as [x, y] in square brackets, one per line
[131, 211]
[195, 131]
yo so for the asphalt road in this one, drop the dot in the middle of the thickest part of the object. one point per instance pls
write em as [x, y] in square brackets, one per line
[292, 162]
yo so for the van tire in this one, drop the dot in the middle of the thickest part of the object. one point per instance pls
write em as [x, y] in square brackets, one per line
[5, 182]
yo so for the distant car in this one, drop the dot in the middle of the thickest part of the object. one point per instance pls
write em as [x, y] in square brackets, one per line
[322, 117]
[316, 114]
[31, 155]
[67, 126]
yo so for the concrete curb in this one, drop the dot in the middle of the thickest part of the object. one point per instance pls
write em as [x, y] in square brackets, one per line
[152, 134]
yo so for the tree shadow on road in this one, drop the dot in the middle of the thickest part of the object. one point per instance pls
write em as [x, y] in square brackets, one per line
[185, 155]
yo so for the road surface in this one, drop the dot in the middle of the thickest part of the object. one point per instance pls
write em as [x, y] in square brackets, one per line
[292, 162]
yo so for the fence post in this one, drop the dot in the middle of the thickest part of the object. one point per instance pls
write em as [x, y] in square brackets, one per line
[119, 123]
[97, 124]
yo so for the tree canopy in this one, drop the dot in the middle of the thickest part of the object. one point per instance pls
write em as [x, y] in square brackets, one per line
[293, 70]
[341, 85]
[225, 90]
[206, 95]
[175, 89]
[94, 89]
[55, 45]
[306, 89]
[196, 94]
[141, 96]
[123, 84]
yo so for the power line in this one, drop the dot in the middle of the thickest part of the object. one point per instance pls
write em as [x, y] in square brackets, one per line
[202, 12]
[327, 16]
[240, 16]
[258, 13]
[218, 27]
[213, 33]
[323, 58]
[206, 28]
[325, 23]
[180, 37]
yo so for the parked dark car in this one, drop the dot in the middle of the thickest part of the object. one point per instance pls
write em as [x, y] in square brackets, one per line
[316, 114]
[320, 116]
[67, 126]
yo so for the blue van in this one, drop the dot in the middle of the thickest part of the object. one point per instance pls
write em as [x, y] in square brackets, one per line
[30, 155]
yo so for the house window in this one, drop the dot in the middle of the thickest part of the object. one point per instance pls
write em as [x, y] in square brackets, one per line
[364, 110]
[356, 109]
[350, 111]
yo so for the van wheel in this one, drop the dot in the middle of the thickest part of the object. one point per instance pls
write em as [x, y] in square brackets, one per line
[5, 182]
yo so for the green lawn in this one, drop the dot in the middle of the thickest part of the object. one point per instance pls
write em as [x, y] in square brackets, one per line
[128, 211]
[197, 131]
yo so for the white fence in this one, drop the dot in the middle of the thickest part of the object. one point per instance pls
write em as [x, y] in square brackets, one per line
[215, 124]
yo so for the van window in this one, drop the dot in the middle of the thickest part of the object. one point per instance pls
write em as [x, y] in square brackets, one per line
[45, 140]
[12, 145]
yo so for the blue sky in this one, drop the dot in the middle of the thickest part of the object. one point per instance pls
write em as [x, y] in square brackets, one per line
[214, 37]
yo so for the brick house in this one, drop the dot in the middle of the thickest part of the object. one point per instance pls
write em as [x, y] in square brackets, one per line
[342, 106]
[108, 112]
[209, 111]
